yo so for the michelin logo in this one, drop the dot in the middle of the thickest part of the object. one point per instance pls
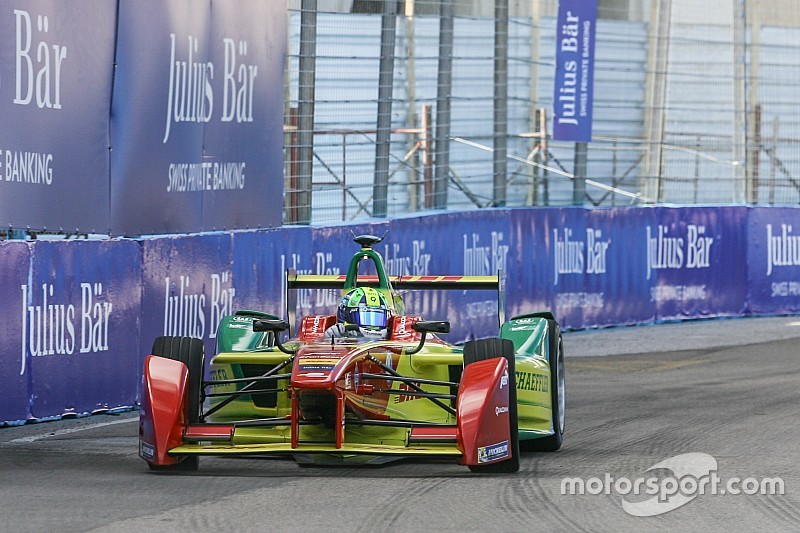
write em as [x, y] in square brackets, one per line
[493, 452]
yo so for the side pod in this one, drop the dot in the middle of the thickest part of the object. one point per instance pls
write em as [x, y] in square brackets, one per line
[484, 428]
[163, 411]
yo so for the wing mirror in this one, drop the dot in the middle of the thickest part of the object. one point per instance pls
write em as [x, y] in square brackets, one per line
[428, 326]
[274, 326]
[432, 326]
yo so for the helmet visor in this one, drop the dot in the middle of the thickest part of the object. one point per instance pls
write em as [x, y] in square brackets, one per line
[367, 316]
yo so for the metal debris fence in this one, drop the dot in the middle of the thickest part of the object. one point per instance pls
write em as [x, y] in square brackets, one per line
[401, 107]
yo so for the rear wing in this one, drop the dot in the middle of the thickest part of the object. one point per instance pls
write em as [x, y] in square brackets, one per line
[497, 283]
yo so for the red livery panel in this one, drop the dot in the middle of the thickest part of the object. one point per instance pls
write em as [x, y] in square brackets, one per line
[484, 429]
[163, 410]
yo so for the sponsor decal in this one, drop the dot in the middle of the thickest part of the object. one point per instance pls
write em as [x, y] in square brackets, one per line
[482, 260]
[783, 249]
[666, 251]
[48, 65]
[482, 308]
[317, 363]
[493, 452]
[218, 374]
[310, 298]
[389, 364]
[398, 264]
[191, 94]
[578, 257]
[185, 312]
[148, 451]
[533, 381]
[498, 410]
[504, 380]
[27, 167]
[52, 327]
[400, 398]
[402, 330]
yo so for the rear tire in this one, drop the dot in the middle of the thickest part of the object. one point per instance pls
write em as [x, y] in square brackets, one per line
[191, 352]
[553, 442]
[480, 350]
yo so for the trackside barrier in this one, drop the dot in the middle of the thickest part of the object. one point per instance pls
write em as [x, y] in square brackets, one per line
[81, 315]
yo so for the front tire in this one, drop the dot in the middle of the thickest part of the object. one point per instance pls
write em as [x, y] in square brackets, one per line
[480, 350]
[190, 463]
[191, 352]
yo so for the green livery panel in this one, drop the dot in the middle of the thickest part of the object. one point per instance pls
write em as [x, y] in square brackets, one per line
[534, 397]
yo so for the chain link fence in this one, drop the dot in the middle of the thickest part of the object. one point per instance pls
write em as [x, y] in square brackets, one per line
[401, 107]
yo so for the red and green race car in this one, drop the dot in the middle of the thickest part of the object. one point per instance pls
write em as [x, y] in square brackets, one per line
[357, 400]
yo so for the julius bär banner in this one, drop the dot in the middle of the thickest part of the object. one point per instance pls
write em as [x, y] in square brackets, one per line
[55, 92]
[78, 325]
[574, 80]
[773, 260]
[197, 116]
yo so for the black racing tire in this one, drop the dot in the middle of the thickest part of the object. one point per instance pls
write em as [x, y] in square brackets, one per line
[190, 463]
[553, 442]
[191, 352]
[480, 350]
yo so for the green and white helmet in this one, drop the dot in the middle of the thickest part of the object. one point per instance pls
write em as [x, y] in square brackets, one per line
[366, 307]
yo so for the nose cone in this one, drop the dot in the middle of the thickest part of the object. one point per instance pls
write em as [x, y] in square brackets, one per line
[317, 367]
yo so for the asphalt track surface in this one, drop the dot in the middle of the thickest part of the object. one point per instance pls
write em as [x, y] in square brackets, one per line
[636, 397]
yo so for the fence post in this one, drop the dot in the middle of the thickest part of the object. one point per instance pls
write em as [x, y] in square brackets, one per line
[443, 93]
[742, 185]
[305, 119]
[427, 155]
[656, 96]
[579, 181]
[380, 187]
[500, 102]
[411, 114]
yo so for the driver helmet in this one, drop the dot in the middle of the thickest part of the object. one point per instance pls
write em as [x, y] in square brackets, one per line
[366, 307]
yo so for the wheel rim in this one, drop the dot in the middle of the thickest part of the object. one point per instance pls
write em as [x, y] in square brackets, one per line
[562, 395]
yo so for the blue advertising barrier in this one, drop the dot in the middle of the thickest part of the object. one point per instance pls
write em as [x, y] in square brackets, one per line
[14, 263]
[592, 264]
[86, 312]
[696, 259]
[187, 286]
[472, 244]
[773, 261]
[53, 84]
[80, 326]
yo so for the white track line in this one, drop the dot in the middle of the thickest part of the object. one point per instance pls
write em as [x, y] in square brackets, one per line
[66, 431]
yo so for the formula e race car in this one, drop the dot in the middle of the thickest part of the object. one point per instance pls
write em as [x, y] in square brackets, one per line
[357, 400]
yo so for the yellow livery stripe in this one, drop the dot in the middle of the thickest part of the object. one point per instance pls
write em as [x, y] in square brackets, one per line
[311, 281]
[371, 449]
